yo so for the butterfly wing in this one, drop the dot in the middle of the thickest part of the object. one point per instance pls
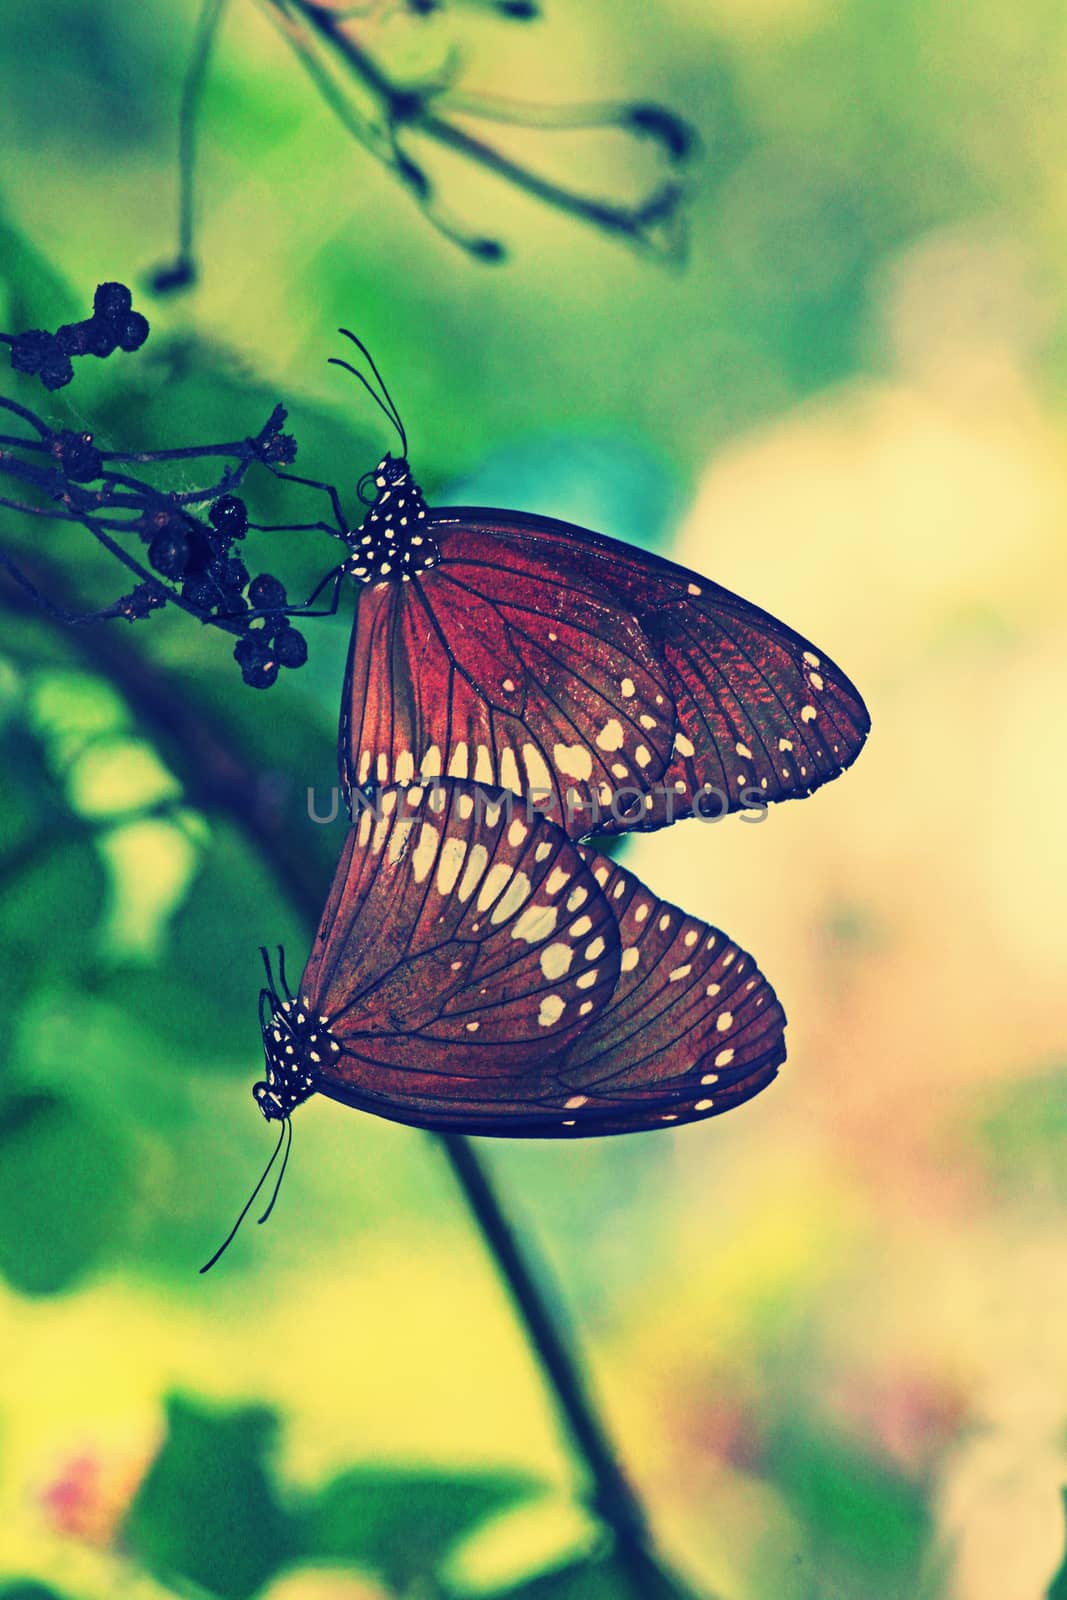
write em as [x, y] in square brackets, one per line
[461, 946]
[485, 975]
[761, 714]
[494, 667]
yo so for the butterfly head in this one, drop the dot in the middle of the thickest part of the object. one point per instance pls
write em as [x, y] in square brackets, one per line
[296, 1044]
[394, 540]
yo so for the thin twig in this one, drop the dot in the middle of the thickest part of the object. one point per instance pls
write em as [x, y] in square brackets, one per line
[404, 108]
[182, 270]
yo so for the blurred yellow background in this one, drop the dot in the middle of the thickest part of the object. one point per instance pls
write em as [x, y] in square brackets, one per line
[827, 1331]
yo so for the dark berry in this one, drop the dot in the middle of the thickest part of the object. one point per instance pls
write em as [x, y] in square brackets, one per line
[169, 553]
[201, 554]
[259, 666]
[112, 300]
[56, 371]
[131, 331]
[200, 592]
[229, 515]
[78, 457]
[232, 575]
[142, 600]
[100, 338]
[29, 351]
[260, 677]
[266, 593]
[290, 648]
[72, 338]
[279, 449]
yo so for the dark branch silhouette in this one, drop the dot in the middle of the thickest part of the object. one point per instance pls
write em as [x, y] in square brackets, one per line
[380, 113]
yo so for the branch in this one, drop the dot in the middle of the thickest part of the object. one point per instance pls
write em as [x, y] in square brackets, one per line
[311, 28]
[219, 775]
[404, 107]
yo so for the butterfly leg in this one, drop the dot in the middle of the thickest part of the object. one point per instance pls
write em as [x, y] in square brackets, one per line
[326, 488]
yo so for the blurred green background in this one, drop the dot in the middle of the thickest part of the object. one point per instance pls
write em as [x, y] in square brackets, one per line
[827, 1331]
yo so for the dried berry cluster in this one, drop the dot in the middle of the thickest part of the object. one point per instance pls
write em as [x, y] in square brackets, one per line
[215, 582]
[114, 325]
[191, 539]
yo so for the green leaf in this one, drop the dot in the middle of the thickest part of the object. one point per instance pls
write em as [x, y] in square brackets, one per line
[202, 994]
[1058, 1586]
[868, 1523]
[402, 1524]
[38, 296]
[65, 1191]
[51, 899]
[207, 1512]
[28, 1589]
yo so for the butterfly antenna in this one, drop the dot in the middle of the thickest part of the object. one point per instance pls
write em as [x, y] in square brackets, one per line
[388, 405]
[270, 975]
[362, 348]
[281, 1173]
[226, 1243]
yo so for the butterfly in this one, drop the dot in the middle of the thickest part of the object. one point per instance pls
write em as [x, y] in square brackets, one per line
[613, 687]
[477, 971]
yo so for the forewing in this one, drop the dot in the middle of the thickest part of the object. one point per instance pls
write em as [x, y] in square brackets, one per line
[462, 946]
[502, 668]
[689, 1029]
[762, 714]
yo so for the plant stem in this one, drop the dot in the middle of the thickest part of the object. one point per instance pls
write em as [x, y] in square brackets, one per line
[613, 1498]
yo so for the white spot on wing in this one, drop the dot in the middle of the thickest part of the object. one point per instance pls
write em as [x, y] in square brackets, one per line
[515, 895]
[574, 760]
[452, 854]
[496, 880]
[556, 961]
[610, 736]
[398, 842]
[476, 862]
[537, 770]
[535, 924]
[483, 765]
[509, 770]
[458, 766]
[552, 1008]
